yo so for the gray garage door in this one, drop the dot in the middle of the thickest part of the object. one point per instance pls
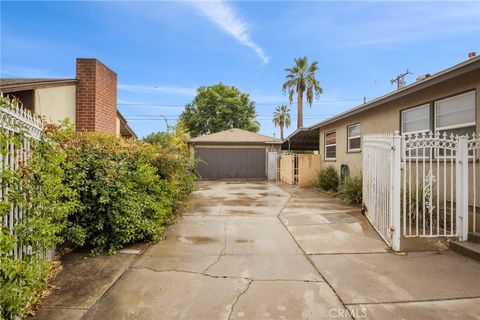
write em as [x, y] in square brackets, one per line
[225, 163]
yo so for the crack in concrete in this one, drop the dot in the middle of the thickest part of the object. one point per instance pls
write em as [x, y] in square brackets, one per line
[238, 298]
[225, 277]
[308, 257]
[224, 246]
[192, 272]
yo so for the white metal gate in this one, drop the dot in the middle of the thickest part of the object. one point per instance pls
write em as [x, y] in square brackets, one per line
[272, 164]
[381, 175]
[434, 185]
[473, 146]
[422, 183]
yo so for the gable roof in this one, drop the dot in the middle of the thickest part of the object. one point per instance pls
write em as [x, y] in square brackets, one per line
[16, 84]
[235, 136]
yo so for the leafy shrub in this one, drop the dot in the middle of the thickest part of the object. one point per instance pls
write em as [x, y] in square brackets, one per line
[175, 164]
[126, 190]
[351, 190]
[90, 189]
[328, 179]
[36, 186]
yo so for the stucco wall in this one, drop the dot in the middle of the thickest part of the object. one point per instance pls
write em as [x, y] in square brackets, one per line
[56, 103]
[308, 166]
[386, 118]
[117, 127]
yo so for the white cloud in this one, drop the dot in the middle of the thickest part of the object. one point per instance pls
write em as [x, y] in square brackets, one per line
[26, 72]
[225, 16]
[157, 89]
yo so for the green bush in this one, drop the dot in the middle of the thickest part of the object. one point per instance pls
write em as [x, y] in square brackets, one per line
[351, 190]
[36, 186]
[175, 163]
[89, 189]
[122, 198]
[328, 179]
[127, 190]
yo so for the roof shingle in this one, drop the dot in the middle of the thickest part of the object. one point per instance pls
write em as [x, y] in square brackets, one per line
[235, 136]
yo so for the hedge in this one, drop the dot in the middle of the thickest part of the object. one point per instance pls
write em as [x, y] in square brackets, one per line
[87, 189]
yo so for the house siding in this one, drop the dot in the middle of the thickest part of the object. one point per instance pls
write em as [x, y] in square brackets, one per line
[386, 117]
[56, 104]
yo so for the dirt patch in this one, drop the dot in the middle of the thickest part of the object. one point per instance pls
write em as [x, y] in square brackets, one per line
[195, 239]
[240, 212]
[243, 241]
[270, 194]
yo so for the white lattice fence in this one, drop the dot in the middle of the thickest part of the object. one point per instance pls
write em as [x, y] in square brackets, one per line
[18, 126]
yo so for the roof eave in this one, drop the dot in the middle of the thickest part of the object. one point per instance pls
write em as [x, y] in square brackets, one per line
[125, 123]
[34, 85]
[234, 142]
[455, 71]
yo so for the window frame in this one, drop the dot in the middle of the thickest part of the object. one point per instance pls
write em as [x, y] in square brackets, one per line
[330, 145]
[354, 150]
[430, 115]
[463, 125]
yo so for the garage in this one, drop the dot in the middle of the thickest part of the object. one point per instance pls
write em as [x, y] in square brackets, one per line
[233, 154]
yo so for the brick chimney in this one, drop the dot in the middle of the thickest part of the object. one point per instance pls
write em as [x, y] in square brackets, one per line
[96, 97]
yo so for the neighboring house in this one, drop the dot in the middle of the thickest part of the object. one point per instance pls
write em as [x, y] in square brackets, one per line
[447, 101]
[233, 153]
[89, 101]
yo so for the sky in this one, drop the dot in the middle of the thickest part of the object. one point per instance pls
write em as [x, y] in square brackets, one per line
[163, 51]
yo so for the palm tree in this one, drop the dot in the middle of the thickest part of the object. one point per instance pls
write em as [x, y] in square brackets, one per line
[281, 118]
[301, 79]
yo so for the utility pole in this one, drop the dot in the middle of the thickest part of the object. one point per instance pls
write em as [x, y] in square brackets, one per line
[400, 79]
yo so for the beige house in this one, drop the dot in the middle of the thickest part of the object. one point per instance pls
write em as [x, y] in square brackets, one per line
[447, 101]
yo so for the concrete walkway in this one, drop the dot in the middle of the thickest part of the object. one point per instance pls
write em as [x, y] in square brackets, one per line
[254, 250]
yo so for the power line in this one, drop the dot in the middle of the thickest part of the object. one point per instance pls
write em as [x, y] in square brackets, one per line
[258, 116]
[258, 103]
[400, 79]
[176, 118]
[175, 115]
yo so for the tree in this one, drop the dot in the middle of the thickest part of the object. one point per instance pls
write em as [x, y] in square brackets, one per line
[217, 108]
[281, 118]
[301, 79]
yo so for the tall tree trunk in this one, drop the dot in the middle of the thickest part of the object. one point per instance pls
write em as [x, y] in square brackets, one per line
[281, 132]
[300, 109]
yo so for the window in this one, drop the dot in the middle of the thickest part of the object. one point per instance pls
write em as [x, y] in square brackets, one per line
[330, 145]
[456, 114]
[416, 119]
[353, 137]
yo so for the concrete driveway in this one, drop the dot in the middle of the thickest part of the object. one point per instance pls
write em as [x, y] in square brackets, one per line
[255, 250]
